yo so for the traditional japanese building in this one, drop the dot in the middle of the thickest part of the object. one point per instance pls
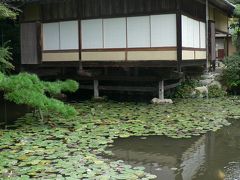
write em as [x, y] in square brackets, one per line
[121, 40]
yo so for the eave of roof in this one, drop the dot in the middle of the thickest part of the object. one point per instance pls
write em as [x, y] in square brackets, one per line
[222, 4]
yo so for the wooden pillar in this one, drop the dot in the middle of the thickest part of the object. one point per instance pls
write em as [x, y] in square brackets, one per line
[179, 35]
[207, 35]
[79, 10]
[227, 41]
[212, 43]
[96, 89]
[161, 90]
[5, 114]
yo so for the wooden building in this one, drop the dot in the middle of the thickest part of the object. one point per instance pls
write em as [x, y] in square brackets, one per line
[127, 40]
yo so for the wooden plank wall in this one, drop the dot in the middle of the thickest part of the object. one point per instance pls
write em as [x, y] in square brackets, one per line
[29, 45]
[195, 9]
[66, 9]
[86, 9]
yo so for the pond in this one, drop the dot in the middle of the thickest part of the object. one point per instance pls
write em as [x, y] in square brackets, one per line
[214, 156]
[81, 147]
[9, 112]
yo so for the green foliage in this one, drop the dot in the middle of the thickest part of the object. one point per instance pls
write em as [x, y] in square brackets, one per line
[231, 73]
[28, 89]
[5, 59]
[234, 1]
[185, 89]
[214, 91]
[5, 53]
[237, 10]
[235, 25]
[5, 12]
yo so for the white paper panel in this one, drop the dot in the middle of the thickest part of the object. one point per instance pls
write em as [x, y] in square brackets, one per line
[92, 34]
[202, 35]
[163, 30]
[185, 31]
[190, 33]
[196, 37]
[51, 36]
[138, 30]
[69, 35]
[115, 33]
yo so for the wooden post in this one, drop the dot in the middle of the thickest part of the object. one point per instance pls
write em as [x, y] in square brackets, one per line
[179, 35]
[207, 35]
[161, 90]
[5, 114]
[96, 89]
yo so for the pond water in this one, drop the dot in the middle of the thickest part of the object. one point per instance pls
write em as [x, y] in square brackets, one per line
[9, 112]
[214, 156]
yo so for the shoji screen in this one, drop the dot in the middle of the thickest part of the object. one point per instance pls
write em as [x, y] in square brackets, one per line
[60, 35]
[138, 30]
[196, 34]
[187, 32]
[69, 35]
[193, 33]
[51, 36]
[190, 31]
[163, 30]
[202, 35]
[114, 33]
[92, 34]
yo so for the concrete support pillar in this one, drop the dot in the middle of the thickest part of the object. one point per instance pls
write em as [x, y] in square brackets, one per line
[96, 89]
[161, 90]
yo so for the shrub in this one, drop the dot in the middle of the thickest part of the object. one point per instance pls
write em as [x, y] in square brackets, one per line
[215, 91]
[185, 89]
[28, 89]
[5, 59]
[231, 73]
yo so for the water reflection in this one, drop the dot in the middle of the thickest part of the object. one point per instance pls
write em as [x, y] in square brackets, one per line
[214, 156]
[9, 112]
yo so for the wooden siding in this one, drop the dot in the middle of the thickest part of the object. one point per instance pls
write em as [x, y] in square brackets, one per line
[152, 55]
[67, 9]
[103, 56]
[31, 12]
[221, 21]
[200, 54]
[220, 18]
[194, 9]
[193, 54]
[87, 9]
[29, 43]
[135, 54]
[60, 56]
[116, 8]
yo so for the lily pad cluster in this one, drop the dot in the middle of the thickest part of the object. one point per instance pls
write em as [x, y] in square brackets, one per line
[74, 148]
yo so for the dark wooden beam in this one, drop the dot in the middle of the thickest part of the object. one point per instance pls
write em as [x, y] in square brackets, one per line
[120, 88]
[130, 88]
[124, 64]
[109, 64]
[104, 64]
[179, 34]
[193, 63]
[122, 78]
